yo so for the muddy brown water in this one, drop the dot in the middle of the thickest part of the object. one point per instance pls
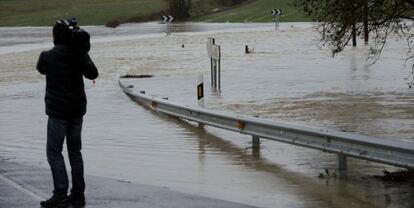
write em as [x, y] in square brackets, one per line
[287, 78]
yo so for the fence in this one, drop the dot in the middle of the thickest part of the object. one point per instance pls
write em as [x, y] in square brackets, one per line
[391, 152]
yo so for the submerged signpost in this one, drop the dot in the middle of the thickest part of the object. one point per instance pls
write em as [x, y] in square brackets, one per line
[214, 53]
[276, 13]
[168, 19]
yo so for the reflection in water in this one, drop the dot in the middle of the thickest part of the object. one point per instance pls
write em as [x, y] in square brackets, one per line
[360, 68]
[332, 193]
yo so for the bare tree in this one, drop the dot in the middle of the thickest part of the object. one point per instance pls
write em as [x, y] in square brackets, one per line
[180, 8]
[339, 21]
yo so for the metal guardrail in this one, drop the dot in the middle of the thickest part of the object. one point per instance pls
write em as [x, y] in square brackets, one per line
[391, 152]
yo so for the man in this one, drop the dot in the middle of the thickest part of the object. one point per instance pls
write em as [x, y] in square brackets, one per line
[65, 65]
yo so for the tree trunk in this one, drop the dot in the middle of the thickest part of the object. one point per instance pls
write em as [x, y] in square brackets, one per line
[366, 30]
[354, 33]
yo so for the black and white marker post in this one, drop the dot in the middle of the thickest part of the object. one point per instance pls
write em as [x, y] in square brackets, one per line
[200, 94]
[276, 13]
[200, 91]
[168, 19]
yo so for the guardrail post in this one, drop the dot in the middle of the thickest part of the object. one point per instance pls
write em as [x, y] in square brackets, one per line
[256, 148]
[255, 142]
[342, 165]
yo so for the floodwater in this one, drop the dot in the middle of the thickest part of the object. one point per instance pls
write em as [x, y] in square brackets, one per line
[288, 77]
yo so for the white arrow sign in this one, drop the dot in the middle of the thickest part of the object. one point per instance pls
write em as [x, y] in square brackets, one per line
[276, 12]
[167, 18]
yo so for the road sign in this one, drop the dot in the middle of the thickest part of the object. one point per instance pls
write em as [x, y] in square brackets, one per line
[213, 50]
[214, 53]
[167, 18]
[276, 12]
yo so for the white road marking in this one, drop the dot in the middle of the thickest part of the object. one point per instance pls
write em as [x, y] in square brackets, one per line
[20, 188]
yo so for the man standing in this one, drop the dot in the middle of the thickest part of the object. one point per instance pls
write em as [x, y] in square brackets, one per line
[65, 65]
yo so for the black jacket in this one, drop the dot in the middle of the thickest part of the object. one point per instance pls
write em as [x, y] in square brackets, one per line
[64, 70]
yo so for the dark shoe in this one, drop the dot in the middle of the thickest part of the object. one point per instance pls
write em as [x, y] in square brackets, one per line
[56, 201]
[77, 200]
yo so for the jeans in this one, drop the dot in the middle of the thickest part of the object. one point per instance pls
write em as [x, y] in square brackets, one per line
[57, 130]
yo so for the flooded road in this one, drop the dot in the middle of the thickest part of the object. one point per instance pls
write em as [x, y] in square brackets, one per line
[287, 78]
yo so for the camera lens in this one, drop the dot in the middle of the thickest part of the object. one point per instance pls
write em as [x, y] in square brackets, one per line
[73, 21]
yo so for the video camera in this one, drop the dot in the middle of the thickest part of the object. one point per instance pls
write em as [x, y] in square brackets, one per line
[73, 22]
[70, 23]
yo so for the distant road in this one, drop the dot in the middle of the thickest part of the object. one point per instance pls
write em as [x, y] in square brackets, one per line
[15, 39]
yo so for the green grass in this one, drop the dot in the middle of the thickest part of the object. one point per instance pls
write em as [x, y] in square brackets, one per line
[255, 11]
[89, 12]
[203, 7]
[100, 12]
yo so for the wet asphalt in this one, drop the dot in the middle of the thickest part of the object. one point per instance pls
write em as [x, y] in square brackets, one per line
[25, 186]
